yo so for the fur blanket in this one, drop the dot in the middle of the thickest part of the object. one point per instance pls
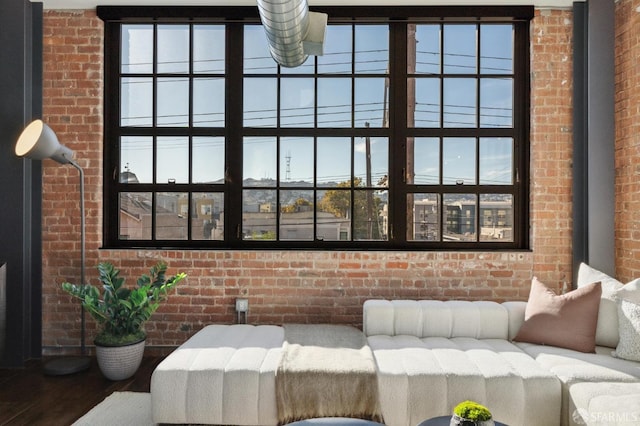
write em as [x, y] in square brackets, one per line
[326, 371]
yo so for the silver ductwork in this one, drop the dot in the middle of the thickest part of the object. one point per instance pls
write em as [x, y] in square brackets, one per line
[293, 32]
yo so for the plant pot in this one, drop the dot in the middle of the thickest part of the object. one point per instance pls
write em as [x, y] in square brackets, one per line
[120, 362]
[459, 421]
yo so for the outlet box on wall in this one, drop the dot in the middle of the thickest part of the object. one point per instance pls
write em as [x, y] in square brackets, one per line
[242, 305]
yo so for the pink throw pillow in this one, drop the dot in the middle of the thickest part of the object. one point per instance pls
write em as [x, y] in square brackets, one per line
[567, 321]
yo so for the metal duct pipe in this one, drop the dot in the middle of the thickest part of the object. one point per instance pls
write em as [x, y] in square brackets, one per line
[286, 23]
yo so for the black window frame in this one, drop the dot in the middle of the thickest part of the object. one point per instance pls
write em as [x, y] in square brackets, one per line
[397, 18]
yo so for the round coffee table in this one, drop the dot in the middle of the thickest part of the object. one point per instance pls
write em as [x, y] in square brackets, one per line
[444, 421]
[335, 421]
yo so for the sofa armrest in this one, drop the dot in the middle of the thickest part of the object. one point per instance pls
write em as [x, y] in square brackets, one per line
[515, 310]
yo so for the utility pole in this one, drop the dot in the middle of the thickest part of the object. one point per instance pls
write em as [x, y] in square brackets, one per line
[367, 142]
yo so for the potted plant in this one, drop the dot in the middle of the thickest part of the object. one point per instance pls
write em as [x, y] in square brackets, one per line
[470, 413]
[121, 313]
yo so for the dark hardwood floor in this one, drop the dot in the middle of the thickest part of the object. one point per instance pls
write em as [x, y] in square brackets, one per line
[28, 397]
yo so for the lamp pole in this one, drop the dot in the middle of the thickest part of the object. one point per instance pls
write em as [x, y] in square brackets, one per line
[83, 347]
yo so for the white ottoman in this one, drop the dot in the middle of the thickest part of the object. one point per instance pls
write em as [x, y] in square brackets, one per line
[224, 374]
[604, 403]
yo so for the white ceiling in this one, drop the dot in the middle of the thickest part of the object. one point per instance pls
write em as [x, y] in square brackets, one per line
[91, 4]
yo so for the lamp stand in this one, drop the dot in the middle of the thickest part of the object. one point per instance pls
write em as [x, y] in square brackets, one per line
[71, 365]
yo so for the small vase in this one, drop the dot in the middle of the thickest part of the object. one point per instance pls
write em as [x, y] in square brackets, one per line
[459, 421]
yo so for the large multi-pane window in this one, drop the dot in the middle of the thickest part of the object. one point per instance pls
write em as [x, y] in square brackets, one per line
[405, 133]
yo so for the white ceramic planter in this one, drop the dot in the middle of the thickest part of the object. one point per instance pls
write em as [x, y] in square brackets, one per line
[459, 421]
[120, 362]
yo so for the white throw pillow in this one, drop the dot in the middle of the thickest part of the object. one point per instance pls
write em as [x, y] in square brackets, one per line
[629, 318]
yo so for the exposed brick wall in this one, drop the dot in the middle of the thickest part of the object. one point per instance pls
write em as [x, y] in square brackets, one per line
[627, 156]
[289, 286]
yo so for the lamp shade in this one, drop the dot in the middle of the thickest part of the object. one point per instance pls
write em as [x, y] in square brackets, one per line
[38, 142]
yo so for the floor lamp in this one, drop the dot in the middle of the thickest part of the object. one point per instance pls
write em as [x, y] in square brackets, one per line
[39, 142]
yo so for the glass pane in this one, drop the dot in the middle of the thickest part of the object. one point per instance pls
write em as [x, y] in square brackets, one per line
[208, 160]
[136, 105]
[208, 49]
[334, 102]
[424, 214]
[496, 102]
[333, 213]
[172, 158]
[371, 107]
[496, 49]
[257, 59]
[369, 215]
[460, 49]
[426, 160]
[372, 49]
[173, 102]
[296, 162]
[423, 102]
[260, 101]
[459, 161]
[307, 67]
[208, 102]
[296, 215]
[172, 212]
[374, 172]
[496, 161]
[259, 214]
[459, 102]
[459, 217]
[135, 216]
[496, 217]
[423, 49]
[259, 161]
[207, 216]
[137, 49]
[136, 159]
[296, 102]
[334, 161]
[337, 50]
[173, 49]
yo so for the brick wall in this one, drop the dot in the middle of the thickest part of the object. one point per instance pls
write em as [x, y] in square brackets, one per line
[627, 122]
[289, 286]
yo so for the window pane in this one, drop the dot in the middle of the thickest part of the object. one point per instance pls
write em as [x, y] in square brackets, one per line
[135, 216]
[207, 216]
[172, 158]
[208, 102]
[334, 102]
[424, 212]
[372, 49]
[260, 100]
[259, 162]
[136, 159]
[137, 49]
[334, 161]
[259, 214]
[459, 161]
[136, 105]
[208, 49]
[173, 102]
[376, 173]
[459, 217]
[496, 161]
[333, 211]
[296, 215]
[208, 160]
[296, 162]
[459, 102]
[296, 102]
[257, 59]
[496, 102]
[496, 49]
[460, 49]
[371, 102]
[426, 160]
[423, 102]
[172, 210]
[496, 217]
[337, 51]
[368, 220]
[424, 44]
[173, 49]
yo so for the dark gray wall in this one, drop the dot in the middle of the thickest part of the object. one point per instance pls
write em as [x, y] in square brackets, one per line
[20, 180]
